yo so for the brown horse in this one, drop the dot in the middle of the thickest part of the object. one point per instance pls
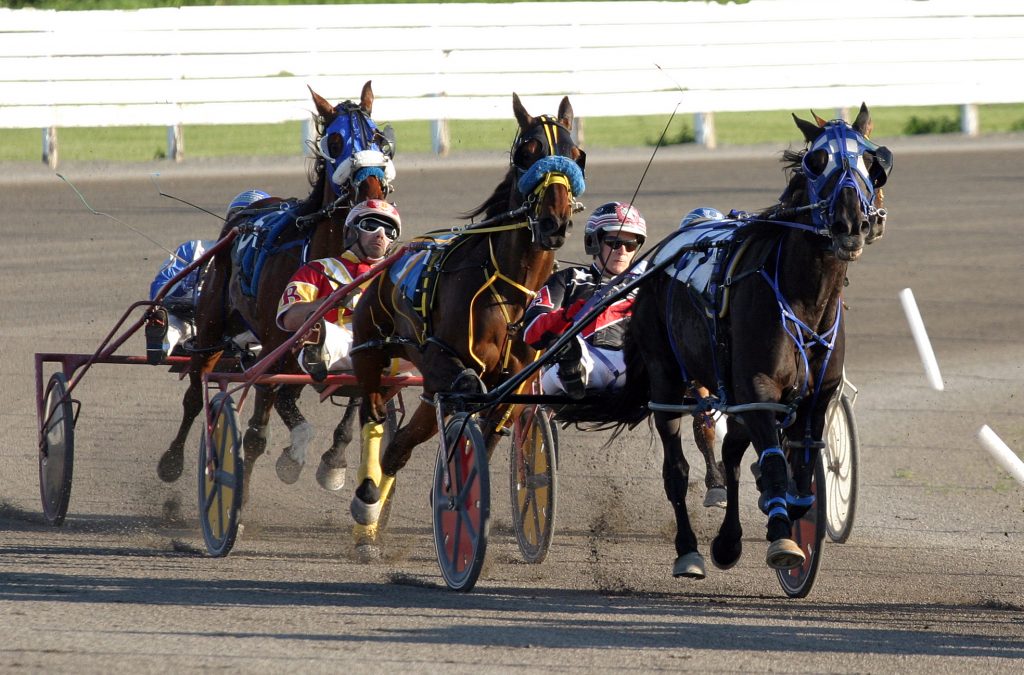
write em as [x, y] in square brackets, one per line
[352, 164]
[778, 352]
[483, 278]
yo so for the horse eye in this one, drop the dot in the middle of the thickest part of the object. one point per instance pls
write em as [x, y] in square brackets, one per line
[334, 144]
[526, 154]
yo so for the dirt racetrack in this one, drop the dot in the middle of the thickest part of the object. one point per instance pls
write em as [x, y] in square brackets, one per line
[932, 579]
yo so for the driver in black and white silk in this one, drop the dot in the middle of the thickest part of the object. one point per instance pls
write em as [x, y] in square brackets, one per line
[594, 360]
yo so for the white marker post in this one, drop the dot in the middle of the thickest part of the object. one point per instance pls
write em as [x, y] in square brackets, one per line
[1002, 453]
[924, 347]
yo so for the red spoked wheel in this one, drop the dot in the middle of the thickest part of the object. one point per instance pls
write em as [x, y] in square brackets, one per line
[461, 502]
[220, 477]
[532, 482]
[56, 450]
[809, 534]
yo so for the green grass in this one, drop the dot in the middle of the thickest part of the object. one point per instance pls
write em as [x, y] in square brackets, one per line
[137, 144]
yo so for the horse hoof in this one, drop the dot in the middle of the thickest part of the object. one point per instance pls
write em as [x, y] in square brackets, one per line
[366, 547]
[330, 477]
[367, 553]
[288, 467]
[715, 497]
[690, 566]
[170, 466]
[784, 554]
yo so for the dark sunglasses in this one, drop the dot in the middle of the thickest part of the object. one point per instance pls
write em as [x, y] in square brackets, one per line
[371, 225]
[616, 244]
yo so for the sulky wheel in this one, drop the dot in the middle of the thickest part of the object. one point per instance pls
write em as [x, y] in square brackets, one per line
[842, 448]
[809, 534]
[532, 482]
[220, 477]
[56, 450]
[461, 502]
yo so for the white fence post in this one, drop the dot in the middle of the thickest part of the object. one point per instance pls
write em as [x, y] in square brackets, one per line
[50, 147]
[704, 130]
[969, 119]
[175, 143]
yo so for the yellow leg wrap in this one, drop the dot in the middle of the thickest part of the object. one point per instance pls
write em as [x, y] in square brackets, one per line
[369, 464]
[364, 534]
[386, 483]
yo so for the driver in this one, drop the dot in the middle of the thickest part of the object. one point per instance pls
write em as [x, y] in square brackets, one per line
[594, 360]
[370, 229]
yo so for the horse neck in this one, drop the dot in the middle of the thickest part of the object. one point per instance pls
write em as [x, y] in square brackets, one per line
[328, 235]
[811, 278]
[518, 259]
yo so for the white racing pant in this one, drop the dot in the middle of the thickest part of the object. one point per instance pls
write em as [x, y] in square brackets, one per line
[337, 345]
[603, 368]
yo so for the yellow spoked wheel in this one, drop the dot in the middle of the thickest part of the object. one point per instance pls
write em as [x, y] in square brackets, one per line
[461, 502]
[532, 482]
[220, 477]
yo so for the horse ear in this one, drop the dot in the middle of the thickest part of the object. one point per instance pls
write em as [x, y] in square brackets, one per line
[524, 118]
[809, 129]
[818, 120]
[863, 122]
[366, 98]
[323, 108]
[565, 114]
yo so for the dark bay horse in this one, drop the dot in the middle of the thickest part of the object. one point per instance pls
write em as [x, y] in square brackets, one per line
[352, 164]
[485, 277]
[781, 341]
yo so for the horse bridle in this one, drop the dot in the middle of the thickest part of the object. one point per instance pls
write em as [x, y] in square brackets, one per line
[366, 151]
[845, 168]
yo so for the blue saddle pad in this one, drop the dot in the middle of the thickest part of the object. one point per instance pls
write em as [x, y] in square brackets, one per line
[407, 272]
[258, 242]
[702, 268]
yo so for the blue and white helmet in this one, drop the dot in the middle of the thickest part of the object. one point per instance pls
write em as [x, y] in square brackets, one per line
[702, 213]
[244, 199]
[612, 217]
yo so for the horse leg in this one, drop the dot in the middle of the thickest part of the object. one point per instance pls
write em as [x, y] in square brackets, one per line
[675, 472]
[330, 474]
[704, 438]
[172, 462]
[783, 552]
[727, 547]
[254, 442]
[293, 458]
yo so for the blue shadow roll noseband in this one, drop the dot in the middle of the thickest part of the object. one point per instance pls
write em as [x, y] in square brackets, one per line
[553, 164]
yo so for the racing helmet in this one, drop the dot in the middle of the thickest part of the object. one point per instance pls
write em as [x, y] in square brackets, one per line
[702, 213]
[244, 199]
[376, 213]
[612, 217]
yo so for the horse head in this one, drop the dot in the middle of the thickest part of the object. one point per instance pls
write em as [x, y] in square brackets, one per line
[549, 168]
[844, 173]
[356, 155]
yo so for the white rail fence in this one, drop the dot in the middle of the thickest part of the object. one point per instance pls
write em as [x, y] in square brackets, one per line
[218, 65]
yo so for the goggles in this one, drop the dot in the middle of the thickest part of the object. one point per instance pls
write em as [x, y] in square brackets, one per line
[628, 244]
[372, 225]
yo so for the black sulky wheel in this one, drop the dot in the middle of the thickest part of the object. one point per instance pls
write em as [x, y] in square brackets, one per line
[809, 534]
[532, 482]
[461, 502]
[56, 450]
[220, 477]
[842, 449]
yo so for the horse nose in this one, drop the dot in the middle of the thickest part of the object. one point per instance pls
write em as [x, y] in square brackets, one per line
[865, 227]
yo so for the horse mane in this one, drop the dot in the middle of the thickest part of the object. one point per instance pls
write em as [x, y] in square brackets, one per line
[796, 190]
[316, 172]
[498, 201]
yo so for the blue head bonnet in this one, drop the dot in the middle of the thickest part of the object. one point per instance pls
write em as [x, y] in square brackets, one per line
[846, 148]
[358, 132]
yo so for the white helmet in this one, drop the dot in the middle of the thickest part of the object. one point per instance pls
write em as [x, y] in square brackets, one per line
[702, 213]
[244, 199]
[612, 217]
[380, 212]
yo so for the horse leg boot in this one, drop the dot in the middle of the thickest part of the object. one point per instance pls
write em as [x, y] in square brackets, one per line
[374, 485]
[293, 458]
[704, 437]
[330, 473]
[783, 552]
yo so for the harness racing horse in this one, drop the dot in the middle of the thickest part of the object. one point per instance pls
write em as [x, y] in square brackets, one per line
[352, 164]
[780, 344]
[463, 336]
